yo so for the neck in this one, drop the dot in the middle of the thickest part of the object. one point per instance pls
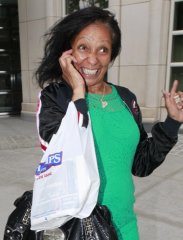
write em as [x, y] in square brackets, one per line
[102, 88]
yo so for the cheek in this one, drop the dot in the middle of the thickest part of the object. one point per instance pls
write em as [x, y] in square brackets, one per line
[105, 62]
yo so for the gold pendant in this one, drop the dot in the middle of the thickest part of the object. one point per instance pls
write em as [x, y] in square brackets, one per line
[104, 104]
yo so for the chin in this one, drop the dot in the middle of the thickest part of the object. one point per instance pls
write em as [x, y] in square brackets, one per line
[91, 82]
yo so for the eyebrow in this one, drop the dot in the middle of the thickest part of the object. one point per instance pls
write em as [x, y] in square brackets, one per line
[86, 37]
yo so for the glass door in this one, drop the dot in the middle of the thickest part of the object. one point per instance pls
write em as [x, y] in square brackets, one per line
[10, 78]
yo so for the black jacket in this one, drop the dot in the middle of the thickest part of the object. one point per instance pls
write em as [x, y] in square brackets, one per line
[151, 151]
[54, 100]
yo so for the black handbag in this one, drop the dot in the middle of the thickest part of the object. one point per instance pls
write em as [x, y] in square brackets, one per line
[18, 224]
[97, 226]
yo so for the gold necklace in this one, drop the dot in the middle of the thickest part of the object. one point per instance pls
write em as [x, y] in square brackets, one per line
[103, 103]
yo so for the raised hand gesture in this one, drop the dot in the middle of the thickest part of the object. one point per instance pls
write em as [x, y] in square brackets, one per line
[174, 102]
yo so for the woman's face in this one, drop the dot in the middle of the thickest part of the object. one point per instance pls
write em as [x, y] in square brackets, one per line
[92, 48]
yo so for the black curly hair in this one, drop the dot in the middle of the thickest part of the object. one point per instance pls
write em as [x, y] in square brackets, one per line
[61, 35]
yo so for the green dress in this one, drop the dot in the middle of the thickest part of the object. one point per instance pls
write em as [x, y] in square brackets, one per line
[116, 136]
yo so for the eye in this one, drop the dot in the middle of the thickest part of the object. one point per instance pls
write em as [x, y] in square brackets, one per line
[103, 50]
[82, 47]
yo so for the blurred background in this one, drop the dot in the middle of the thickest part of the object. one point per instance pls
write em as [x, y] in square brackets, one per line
[151, 57]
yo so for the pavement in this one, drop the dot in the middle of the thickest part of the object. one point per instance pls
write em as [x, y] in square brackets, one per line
[159, 197]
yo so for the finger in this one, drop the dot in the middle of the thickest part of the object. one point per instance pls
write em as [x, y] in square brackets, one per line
[65, 55]
[174, 88]
[69, 62]
[68, 53]
[67, 58]
[180, 94]
[165, 94]
[180, 107]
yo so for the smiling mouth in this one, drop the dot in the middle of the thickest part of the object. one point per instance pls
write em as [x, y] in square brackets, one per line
[90, 72]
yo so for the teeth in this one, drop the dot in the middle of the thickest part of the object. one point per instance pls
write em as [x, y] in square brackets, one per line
[89, 71]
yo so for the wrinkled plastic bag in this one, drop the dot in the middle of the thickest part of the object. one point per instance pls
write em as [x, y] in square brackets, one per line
[67, 180]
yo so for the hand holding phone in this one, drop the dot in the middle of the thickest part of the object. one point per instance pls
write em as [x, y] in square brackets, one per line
[71, 75]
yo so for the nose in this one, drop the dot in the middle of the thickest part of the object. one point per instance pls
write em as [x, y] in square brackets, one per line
[92, 58]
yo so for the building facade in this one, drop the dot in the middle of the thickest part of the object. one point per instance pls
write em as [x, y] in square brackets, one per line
[152, 47]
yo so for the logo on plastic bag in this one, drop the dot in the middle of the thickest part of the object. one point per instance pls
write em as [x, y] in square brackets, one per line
[54, 159]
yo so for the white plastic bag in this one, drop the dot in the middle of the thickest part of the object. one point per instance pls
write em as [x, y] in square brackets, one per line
[67, 180]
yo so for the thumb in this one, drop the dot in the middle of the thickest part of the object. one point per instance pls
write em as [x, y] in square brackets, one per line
[166, 96]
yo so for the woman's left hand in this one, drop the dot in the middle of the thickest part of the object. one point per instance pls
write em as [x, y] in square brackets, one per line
[174, 102]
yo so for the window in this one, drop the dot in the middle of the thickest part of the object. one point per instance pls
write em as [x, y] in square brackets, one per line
[73, 5]
[175, 56]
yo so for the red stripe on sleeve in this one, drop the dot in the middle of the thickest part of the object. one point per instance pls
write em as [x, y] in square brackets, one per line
[43, 147]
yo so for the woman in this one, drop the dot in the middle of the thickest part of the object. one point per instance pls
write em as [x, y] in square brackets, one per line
[78, 52]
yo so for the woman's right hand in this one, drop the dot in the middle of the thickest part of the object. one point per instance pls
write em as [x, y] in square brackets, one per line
[71, 75]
